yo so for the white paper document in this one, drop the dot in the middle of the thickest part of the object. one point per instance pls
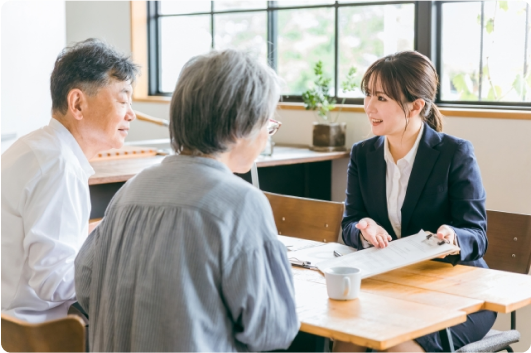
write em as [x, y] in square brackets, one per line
[399, 253]
[318, 254]
[295, 244]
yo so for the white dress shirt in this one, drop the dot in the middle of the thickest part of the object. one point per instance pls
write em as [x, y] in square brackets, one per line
[396, 181]
[45, 213]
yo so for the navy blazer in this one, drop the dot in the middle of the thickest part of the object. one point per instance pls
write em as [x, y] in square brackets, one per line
[444, 188]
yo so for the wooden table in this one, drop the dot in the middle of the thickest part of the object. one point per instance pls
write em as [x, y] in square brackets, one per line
[406, 303]
[291, 170]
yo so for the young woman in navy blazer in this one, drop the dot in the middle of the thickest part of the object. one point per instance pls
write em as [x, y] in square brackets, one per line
[411, 176]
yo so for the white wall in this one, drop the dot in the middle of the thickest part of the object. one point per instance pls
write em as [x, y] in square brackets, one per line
[33, 34]
[107, 20]
[503, 147]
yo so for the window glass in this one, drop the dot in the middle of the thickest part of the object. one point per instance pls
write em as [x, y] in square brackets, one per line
[244, 31]
[239, 5]
[483, 54]
[527, 71]
[495, 69]
[367, 33]
[183, 7]
[305, 36]
[177, 49]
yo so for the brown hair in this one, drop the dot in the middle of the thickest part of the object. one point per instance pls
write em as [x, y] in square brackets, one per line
[406, 76]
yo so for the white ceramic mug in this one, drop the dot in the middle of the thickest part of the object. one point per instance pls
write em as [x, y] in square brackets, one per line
[343, 283]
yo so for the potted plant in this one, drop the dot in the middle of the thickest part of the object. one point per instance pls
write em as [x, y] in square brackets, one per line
[328, 134]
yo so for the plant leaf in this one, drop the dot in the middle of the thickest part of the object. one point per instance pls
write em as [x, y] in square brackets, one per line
[504, 5]
[489, 27]
[491, 96]
[349, 84]
[460, 84]
[318, 98]
[310, 100]
[319, 68]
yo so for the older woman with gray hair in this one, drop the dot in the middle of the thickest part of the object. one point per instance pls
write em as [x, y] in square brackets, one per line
[187, 256]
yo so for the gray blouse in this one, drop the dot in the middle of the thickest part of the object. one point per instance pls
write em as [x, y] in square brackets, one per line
[187, 259]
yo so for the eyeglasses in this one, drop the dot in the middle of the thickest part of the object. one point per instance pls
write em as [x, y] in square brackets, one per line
[273, 126]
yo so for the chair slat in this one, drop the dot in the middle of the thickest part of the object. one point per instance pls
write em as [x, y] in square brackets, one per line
[306, 218]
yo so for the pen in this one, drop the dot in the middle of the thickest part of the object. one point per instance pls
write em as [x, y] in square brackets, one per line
[305, 264]
[336, 254]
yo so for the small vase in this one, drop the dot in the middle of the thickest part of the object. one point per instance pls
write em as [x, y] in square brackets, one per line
[328, 137]
[268, 150]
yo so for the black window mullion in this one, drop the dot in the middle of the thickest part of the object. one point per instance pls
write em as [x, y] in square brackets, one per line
[336, 51]
[154, 52]
[272, 35]
[212, 22]
[438, 44]
[425, 31]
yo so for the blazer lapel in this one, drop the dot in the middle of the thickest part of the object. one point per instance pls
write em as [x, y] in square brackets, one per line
[376, 182]
[422, 167]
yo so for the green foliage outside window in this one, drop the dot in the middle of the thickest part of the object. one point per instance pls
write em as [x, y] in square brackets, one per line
[469, 84]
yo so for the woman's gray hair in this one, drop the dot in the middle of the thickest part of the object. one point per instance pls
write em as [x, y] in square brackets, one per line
[220, 97]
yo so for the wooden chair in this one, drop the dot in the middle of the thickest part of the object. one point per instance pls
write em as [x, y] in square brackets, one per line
[509, 249]
[509, 237]
[62, 335]
[306, 218]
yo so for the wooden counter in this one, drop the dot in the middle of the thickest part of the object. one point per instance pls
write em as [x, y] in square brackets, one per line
[291, 170]
[122, 170]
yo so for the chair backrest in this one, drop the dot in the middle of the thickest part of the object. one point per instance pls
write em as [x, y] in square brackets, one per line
[306, 218]
[62, 335]
[509, 237]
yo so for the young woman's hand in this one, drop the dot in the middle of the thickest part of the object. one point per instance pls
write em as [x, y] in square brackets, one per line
[446, 233]
[373, 233]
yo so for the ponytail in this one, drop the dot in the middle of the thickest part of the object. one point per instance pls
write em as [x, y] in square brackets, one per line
[435, 118]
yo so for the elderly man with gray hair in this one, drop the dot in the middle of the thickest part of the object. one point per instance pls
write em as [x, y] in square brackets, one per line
[187, 256]
[45, 193]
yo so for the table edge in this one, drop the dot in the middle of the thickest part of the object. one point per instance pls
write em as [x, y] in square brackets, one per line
[459, 318]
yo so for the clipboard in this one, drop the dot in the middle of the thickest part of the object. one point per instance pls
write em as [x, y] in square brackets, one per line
[311, 257]
[399, 253]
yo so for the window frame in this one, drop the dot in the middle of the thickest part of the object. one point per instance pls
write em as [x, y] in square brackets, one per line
[427, 40]
[437, 35]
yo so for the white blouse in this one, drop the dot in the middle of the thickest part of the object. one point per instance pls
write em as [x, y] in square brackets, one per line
[396, 181]
[45, 213]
